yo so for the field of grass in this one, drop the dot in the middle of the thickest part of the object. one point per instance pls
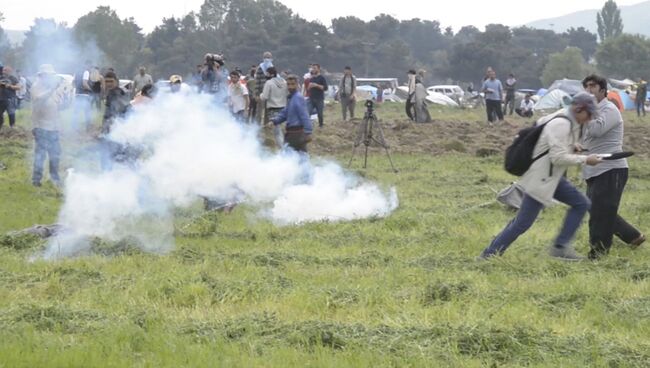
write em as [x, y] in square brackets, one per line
[404, 291]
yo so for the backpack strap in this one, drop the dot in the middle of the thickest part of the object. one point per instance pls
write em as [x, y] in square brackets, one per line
[549, 150]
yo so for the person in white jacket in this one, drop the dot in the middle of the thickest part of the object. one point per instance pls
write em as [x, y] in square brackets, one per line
[545, 180]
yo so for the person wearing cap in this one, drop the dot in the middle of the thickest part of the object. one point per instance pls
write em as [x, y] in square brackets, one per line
[175, 83]
[47, 95]
[545, 181]
[141, 80]
[9, 85]
[606, 182]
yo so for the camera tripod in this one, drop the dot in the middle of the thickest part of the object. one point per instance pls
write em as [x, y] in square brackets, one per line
[370, 131]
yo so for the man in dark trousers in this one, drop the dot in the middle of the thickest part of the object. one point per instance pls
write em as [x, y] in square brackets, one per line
[117, 105]
[9, 85]
[511, 85]
[606, 182]
[299, 127]
[493, 90]
[317, 88]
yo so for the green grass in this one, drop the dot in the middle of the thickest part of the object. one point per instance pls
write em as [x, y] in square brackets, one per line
[394, 292]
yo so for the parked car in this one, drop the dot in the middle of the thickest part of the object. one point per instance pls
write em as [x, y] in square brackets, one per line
[452, 91]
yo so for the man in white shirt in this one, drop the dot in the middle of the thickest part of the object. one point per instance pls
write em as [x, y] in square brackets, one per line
[525, 110]
[141, 80]
[237, 97]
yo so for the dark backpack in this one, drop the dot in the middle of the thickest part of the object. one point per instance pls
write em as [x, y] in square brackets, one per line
[519, 156]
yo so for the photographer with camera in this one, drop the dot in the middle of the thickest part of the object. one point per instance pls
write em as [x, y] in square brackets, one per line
[47, 97]
[9, 85]
[212, 77]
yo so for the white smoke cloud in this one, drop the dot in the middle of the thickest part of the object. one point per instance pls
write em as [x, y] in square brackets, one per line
[193, 150]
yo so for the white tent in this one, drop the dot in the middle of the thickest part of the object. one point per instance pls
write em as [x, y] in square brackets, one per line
[553, 100]
[440, 99]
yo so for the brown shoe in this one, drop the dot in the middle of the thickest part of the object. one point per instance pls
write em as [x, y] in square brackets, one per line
[638, 241]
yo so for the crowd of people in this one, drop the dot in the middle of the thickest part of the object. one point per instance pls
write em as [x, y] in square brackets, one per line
[577, 135]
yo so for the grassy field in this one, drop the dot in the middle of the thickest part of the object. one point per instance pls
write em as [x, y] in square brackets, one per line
[404, 291]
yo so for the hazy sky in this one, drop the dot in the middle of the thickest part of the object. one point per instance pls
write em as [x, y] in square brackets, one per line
[19, 14]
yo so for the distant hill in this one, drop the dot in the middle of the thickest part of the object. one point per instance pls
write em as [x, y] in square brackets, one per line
[636, 19]
[15, 37]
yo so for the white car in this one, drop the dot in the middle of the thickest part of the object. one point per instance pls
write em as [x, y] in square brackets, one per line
[452, 91]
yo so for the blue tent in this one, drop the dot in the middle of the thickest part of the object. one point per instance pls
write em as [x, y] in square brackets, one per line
[542, 92]
[628, 103]
[370, 89]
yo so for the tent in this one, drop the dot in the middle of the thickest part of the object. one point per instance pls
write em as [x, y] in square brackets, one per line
[570, 86]
[541, 92]
[441, 99]
[553, 100]
[367, 91]
[621, 99]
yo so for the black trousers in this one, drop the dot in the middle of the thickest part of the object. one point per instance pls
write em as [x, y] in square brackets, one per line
[296, 139]
[526, 114]
[510, 103]
[605, 192]
[493, 107]
[9, 107]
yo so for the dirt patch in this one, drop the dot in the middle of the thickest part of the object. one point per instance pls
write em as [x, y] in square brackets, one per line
[440, 137]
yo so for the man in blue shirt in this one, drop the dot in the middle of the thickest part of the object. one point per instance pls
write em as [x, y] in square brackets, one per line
[493, 90]
[299, 127]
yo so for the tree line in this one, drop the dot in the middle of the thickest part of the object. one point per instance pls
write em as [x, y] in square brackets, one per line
[381, 47]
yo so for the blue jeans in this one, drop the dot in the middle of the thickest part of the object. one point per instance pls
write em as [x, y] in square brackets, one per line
[46, 143]
[530, 209]
[317, 105]
[82, 106]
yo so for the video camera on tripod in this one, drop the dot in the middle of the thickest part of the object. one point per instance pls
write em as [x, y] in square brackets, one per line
[370, 131]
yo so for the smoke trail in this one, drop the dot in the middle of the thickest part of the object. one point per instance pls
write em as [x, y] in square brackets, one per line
[193, 150]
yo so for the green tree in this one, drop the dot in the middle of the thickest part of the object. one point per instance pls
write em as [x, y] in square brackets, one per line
[49, 42]
[625, 56]
[610, 23]
[566, 64]
[120, 40]
[582, 39]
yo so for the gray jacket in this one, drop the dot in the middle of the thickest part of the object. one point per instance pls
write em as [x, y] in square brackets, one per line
[275, 93]
[604, 135]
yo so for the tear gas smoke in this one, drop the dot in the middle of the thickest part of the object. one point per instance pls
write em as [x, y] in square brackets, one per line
[192, 150]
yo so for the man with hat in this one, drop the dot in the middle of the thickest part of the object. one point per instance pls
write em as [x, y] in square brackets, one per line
[545, 181]
[261, 76]
[9, 85]
[47, 95]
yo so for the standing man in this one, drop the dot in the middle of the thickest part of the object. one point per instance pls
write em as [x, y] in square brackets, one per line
[141, 80]
[9, 85]
[83, 96]
[545, 181]
[47, 95]
[317, 89]
[117, 104]
[261, 76]
[251, 85]
[410, 101]
[525, 110]
[237, 97]
[606, 182]
[274, 93]
[274, 96]
[422, 114]
[511, 84]
[493, 90]
[347, 90]
[22, 92]
[298, 127]
[641, 96]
